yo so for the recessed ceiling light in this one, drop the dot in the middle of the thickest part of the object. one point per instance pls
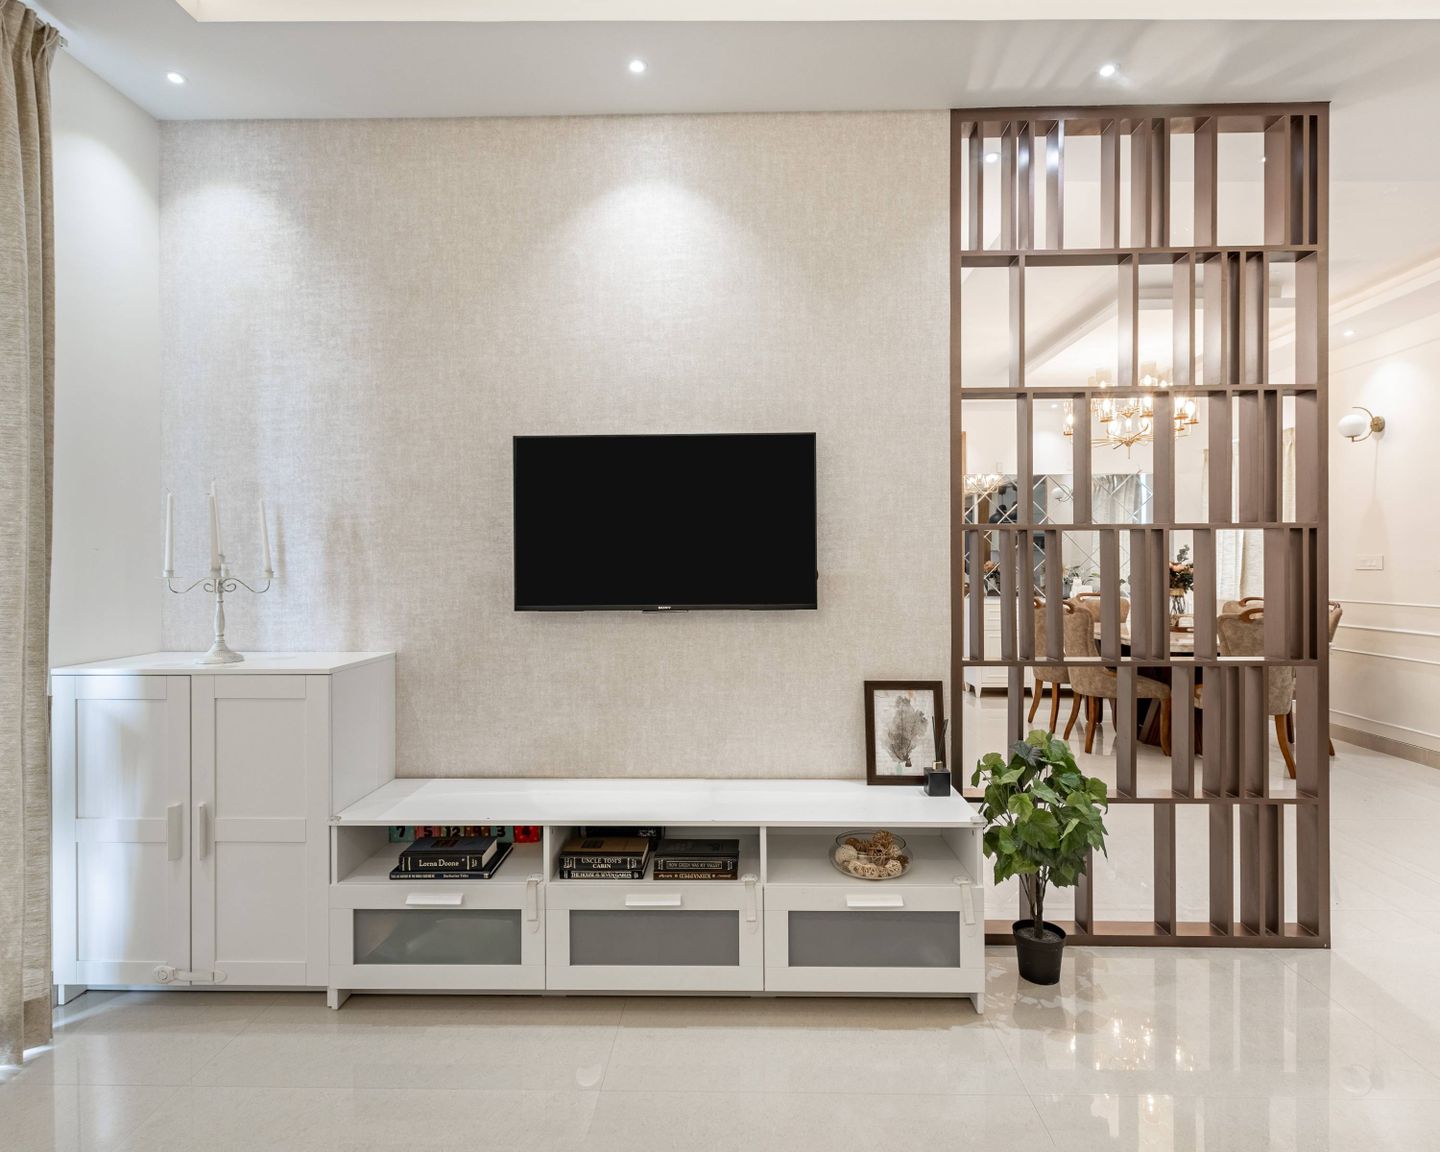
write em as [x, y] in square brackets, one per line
[175, 77]
[1348, 333]
[991, 157]
[637, 66]
[1108, 70]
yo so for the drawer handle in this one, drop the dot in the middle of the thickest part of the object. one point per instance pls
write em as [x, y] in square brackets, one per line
[203, 834]
[434, 899]
[667, 900]
[874, 901]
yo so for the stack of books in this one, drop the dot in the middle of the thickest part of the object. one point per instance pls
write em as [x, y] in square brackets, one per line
[697, 860]
[451, 858]
[604, 858]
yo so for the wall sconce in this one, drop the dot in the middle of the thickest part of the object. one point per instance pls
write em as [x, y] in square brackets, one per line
[1355, 427]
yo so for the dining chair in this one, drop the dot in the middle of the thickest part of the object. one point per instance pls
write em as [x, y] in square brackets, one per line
[1243, 634]
[1096, 684]
[1090, 601]
[1051, 674]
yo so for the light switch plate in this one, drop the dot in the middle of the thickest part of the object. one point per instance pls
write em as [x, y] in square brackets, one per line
[1369, 563]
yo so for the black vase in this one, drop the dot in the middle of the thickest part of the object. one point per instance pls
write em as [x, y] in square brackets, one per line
[1039, 958]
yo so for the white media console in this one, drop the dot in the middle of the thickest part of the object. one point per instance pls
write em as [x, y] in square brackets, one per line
[229, 826]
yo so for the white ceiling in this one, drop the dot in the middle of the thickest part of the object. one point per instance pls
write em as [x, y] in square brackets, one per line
[412, 10]
[1379, 75]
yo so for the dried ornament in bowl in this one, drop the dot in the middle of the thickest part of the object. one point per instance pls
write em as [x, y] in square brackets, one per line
[870, 854]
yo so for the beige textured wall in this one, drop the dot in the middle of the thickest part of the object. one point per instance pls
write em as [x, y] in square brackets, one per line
[359, 315]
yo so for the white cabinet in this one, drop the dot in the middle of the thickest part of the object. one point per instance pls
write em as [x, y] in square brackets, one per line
[191, 814]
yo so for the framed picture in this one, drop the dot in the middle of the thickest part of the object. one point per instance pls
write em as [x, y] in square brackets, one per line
[903, 719]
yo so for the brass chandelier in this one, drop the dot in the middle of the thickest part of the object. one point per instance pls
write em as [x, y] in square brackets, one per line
[1129, 420]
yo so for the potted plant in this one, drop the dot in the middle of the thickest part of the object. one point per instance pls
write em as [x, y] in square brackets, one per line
[1043, 818]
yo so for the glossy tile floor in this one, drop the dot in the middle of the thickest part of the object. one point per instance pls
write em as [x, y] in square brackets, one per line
[1165, 1049]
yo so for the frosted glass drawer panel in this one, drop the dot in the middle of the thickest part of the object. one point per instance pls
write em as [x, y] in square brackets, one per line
[655, 938]
[437, 936]
[874, 939]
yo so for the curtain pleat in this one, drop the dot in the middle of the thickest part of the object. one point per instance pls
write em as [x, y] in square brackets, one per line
[27, 373]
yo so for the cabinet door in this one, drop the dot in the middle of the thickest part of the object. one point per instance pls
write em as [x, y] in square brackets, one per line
[121, 778]
[259, 790]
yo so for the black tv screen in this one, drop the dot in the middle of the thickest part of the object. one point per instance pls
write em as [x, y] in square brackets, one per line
[665, 522]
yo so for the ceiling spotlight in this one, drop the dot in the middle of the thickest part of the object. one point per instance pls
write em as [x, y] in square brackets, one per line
[1108, 70]
[991, 157]
[175, 77]
[637, 66]
[1349, 332]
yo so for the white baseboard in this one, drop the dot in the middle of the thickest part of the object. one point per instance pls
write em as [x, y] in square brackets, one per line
[1389, 745]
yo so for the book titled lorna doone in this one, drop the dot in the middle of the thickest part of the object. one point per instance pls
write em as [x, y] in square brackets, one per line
[399, 872]
[448, 854]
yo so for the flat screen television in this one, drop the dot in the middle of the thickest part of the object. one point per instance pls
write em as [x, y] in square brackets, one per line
[665, 523]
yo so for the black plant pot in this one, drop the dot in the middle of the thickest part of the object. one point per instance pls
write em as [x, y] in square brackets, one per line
[1039, 957]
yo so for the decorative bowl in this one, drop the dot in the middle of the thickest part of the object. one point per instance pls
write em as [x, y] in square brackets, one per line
[870, 854]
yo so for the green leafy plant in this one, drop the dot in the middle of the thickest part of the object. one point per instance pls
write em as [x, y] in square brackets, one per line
[1043, 816]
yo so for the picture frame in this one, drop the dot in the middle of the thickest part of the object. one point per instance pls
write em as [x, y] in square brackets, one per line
[902, 716]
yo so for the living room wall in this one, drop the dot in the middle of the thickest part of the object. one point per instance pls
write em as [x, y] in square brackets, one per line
[359, 315]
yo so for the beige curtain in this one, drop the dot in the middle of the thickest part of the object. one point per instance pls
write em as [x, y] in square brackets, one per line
[27, 372]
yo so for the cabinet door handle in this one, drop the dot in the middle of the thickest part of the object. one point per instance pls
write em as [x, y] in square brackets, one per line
[174, 832]
[874, 901]
[435, 899]
[751, 913]
[668, 900]
[202, 830]
[532, 900]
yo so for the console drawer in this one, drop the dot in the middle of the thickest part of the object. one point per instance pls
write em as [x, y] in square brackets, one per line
[623, 936]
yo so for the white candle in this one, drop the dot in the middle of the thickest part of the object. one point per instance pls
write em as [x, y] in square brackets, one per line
[265, 540]
[214, 534]
[215, 503]
[169, 535]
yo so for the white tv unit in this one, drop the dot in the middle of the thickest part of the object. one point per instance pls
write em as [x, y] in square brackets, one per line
[226, 826]
[791, 924]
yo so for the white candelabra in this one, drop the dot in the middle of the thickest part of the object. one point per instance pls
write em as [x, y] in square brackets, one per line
[220, 580]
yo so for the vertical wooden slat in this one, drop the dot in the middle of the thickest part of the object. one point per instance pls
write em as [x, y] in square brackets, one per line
[1141, 140]
[1110, 593]
[1141, 593]
[1212, 728]
[1162, 498]
[1278, 183]
[1203, 595]
[1278, 588]
[1218, 478]
[1127, 302]
[1110, 184]
[1125, 728]
[1080, 463]
[1212, 358]
[1207, 170]
[1017, 322]
[1014, 704]
[975, 603]
[1054, 604]
[975, 184]
[1165, 871]
[1252, 732]
[1182, 730]
[1222, 868]
[1085, 896]
[1249, 501]
[1005, 558]
[1182, 296]
[1025, 184]
[1055, 185]
[1251, 880]
[1007, 187]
